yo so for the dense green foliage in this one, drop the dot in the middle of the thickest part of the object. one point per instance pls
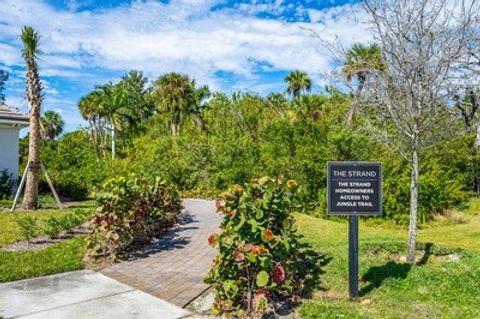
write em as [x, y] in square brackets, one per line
[232, 138]
[71, 163]
[130, 210]
[260, 259]
[6, 184]
[248, 135]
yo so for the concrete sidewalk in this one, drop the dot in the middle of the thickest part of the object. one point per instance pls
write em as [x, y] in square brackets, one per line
[81, 294]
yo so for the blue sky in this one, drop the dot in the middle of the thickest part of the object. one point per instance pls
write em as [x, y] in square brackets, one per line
[229, 45]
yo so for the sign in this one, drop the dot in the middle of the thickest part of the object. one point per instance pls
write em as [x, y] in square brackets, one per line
[354, 188]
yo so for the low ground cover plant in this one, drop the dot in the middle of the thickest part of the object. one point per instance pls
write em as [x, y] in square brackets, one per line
[53, 226]
[261, 261]
[130, 210]
[31, 227]
[28, 227]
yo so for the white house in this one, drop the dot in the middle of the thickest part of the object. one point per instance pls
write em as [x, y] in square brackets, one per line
[11, 121]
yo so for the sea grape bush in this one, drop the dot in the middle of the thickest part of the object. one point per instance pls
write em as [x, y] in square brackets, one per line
[130, 210]
[261, 260]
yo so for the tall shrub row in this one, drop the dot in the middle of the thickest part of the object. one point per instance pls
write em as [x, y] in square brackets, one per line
[130, 210]
[247, 135]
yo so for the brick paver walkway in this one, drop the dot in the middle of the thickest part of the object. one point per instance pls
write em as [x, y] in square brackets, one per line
[173, 268]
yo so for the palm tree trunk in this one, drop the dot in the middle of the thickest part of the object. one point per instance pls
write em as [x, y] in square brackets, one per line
[103, 138]
[93, 133]
[30, 200]
[412, 230]
[199, 123]
[113, 142]
[174, 128]
[354, 104]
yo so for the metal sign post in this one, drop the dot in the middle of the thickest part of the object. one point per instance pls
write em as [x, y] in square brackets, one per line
[353, 257]
[354, 189]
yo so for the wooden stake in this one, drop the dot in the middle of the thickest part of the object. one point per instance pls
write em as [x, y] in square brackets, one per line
[50, 184]
[20, 187]
[22, 184]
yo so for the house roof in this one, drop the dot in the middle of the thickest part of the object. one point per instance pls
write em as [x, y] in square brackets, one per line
[12, 116]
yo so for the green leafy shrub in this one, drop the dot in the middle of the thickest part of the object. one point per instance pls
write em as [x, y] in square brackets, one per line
[130, 210]
[261, 260]
[54, 225]
[28, 226]
[6, 184]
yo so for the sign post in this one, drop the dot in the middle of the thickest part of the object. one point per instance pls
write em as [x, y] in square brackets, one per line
[354, 189]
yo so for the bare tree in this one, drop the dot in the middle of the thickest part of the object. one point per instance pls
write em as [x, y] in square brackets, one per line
[424, 45]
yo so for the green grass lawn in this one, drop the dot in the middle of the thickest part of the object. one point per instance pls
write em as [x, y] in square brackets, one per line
[62, 257]
[441, 288]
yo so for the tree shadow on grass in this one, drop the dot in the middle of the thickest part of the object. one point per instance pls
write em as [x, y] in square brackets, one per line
[375, 276]
[426, 255]
[310, 266]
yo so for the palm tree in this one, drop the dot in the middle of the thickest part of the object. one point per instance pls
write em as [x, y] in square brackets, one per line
[361, 62]
[174, 94]
[278, 102]
[298, 81]
[137, 92]
[310, 106]
[31, 39]
[88, 107]
[199, 104]
[52, 125]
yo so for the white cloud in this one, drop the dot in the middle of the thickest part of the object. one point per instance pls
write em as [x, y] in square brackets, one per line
[9, 55]
[182, 36]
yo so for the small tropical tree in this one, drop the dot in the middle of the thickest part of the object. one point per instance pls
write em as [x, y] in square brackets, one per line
[424, 53]
[136, 95]
[298, 82]
[309, 106]
[361, 61]
[200, 96]
[88, 107]
[174, 94]
[52, 125]
[31, 39]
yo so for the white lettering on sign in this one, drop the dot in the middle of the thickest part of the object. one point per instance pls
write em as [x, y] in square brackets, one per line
[354, 188]
[371, 174]
[362, 174]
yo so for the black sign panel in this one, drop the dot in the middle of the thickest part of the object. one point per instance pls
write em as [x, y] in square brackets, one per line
[354, 188]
